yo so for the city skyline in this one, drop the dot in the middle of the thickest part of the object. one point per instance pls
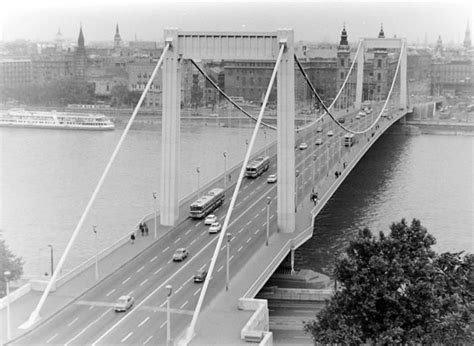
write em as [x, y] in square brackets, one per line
[146, 20]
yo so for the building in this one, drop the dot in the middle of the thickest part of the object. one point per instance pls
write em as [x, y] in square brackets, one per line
[454, 78]
[15, 72]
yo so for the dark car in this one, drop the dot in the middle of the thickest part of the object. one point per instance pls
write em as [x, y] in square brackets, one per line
[200, 276]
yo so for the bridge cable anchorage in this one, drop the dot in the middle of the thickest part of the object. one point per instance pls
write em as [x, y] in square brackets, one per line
[340, 90]
[332, 116]
[35, 314]
[190, 331]
[227, 97]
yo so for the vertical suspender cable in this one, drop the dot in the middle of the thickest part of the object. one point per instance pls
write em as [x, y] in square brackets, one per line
[234, 197]
[35, 314]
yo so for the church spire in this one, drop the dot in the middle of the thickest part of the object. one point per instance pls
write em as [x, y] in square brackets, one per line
[467, 36]
[381, 33]
[343, 41]
[117, 39]
[80, 40]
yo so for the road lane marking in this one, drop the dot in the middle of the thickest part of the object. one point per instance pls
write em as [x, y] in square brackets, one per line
[163, 324]
[108, 294]
[157, 271]
[91, 307]
[263, 209]
[258, 230]
[51, 338]
[170, 260]
[197, 291]
[240, 249]
[198, 224]
[192, 277]
[187, 232]
[124, 281]
[144, 321]
[163, 304]
[184, 304]
[220, 268]
[131, 292]
[140, 269]
[146, 341]
[248, 240]
[240, 231]
[179, 289]
[87, 327]
[72, 322]
[154, 258]
[125, 338]
[231, 257]
[165, 250]
[223, 247]
[143, 282]
[177, 240]
[192, 242]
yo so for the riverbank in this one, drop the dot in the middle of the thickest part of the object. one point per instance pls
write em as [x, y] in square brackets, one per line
[443, 127]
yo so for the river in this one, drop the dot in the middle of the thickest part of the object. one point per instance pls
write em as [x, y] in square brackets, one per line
[48, 176]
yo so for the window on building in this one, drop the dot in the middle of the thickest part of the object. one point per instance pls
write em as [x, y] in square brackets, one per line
[379, 76]
[342, 62]
[342, 75]
[378, 88]
[379, 63]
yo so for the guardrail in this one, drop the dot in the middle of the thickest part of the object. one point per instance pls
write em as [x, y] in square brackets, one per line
[14, 295]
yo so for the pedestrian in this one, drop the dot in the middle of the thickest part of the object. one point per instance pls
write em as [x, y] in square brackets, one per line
[132, 238]
[335, 173]
[145, 227]
[142, 229]
[344, 165]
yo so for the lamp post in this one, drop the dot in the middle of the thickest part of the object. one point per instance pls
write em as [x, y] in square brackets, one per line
[225, 168]
[265, 134]
[94, 229]
[269, 201]
[198, 170]
[314, 168]
[229, 236]
[7, 274]
[52, 259]
[246, 145]
[154, 207]
[169, 289]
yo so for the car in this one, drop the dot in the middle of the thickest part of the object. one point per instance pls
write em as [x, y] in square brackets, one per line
[297, 173]
[124, 303]
[210, 219]
[303, 146]
[272, 178]
[319, 129]
[214, 115]
[200, 275]
[319, 141]
[215, 228]
[330, 133]
[362, 114]
[357, 116]
[180, 254]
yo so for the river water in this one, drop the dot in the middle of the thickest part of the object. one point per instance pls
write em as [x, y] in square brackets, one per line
[48, 176]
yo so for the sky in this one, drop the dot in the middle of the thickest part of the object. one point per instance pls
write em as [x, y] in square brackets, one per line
[316, 21]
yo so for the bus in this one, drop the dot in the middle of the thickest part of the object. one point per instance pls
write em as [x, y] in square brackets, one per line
[207, 203]
[257, 167]
[349, 139]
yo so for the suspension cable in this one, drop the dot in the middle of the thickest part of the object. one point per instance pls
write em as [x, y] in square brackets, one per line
[234, 195]
[332, 116]
[227, 97]
[35, 314]
[340, 90]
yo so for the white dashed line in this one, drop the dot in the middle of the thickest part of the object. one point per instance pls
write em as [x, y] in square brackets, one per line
[72, 322]
[91, 307]
[184, 304]
[258, 230]
[248, 240]
[240, 231]
[220, 268]
[163, 324]
[144, 321]
[146, 341]
[154, 258]
[198, 224]
[141, 268]
[179, 289]
[240, 249]
[192, 277]
[222, 248]
[192, 242]
[197, 291]
[125, 338]
[163, 304]
[231, 258]
[157, 270]
[165, 249]
[187, 232]
[108, 294]
[143, 282]
[124, 281]
[177, 240]
[51, 338]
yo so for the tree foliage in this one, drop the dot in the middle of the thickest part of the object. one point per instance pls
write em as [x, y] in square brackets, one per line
[8, 262]
[396, 289]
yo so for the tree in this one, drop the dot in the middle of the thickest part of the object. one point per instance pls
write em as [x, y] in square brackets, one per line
[395, 289]
[8, 262]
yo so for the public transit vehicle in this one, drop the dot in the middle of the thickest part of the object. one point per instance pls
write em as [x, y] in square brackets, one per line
[257, 167]
[207, 203]
[349, 139]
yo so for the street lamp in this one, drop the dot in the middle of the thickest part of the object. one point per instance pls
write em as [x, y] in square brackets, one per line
[169, 289]
[7, 274]
[229, 237]
[225, 168]
[269, 201]
[52, 259]
[314, 167]
[246, 145]
[154, 207]
[94, 229]
[198, 171]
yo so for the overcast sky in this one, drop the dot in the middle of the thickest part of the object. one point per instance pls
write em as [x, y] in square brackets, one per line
[311, 20]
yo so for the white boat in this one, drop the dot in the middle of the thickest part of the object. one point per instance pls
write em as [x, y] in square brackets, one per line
[54, 120]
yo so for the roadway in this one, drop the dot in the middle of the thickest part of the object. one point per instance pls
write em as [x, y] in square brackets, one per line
[90, 319]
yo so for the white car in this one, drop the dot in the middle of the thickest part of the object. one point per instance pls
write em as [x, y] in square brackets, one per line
[319, 129]
[215, 228]
[362, 114]
[210, 219]
[357, 116]
[272, 178]
[303, 146]
[319, 141]
[330, 133]
[180, 254]
[124, 303]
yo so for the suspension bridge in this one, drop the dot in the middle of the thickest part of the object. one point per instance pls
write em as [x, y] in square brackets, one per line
[261, 223]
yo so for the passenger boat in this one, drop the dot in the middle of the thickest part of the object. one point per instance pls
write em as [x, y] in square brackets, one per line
[54, 120]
